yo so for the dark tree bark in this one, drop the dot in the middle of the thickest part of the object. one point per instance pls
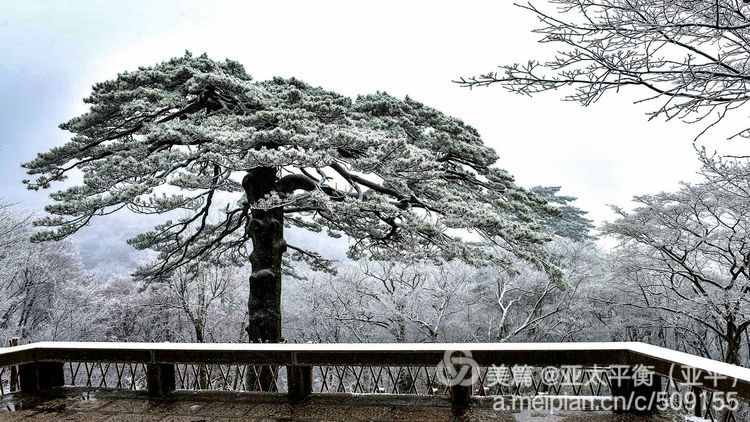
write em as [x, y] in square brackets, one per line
[203, 381]
[266, 228]
[733, 344]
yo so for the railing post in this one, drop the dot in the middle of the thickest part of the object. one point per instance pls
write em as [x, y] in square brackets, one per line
[461, 389]
[299, 382]
[160, 379]
[637, 395]
[40, 377]
[13, 341]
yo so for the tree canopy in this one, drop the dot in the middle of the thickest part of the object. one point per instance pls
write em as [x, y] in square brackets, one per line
[400, 179]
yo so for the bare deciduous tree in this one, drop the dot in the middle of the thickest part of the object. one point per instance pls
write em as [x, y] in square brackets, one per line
[392, 302]
[196, 289]
[687, 253]
[693, 56]
[34, 281]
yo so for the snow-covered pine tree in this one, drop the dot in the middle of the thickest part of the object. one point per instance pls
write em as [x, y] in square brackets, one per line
[238, 160]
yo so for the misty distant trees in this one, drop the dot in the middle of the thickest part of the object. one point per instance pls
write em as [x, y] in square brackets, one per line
[455, 302]
[42, 287]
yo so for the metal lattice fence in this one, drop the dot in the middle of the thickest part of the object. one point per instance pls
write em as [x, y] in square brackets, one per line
[114, 375]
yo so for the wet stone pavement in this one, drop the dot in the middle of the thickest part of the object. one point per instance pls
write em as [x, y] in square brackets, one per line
[102, 406]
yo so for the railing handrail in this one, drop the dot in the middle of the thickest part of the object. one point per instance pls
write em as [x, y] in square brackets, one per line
[333, 347]
[319, 354]
[670, 356]
[663, 360]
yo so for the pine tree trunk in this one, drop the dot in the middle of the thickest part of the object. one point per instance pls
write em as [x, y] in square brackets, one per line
[266, 229]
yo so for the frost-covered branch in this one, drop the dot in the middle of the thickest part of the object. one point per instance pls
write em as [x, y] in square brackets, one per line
[690, 56]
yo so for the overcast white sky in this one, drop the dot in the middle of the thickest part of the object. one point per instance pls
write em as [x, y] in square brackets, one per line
[51, 52]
